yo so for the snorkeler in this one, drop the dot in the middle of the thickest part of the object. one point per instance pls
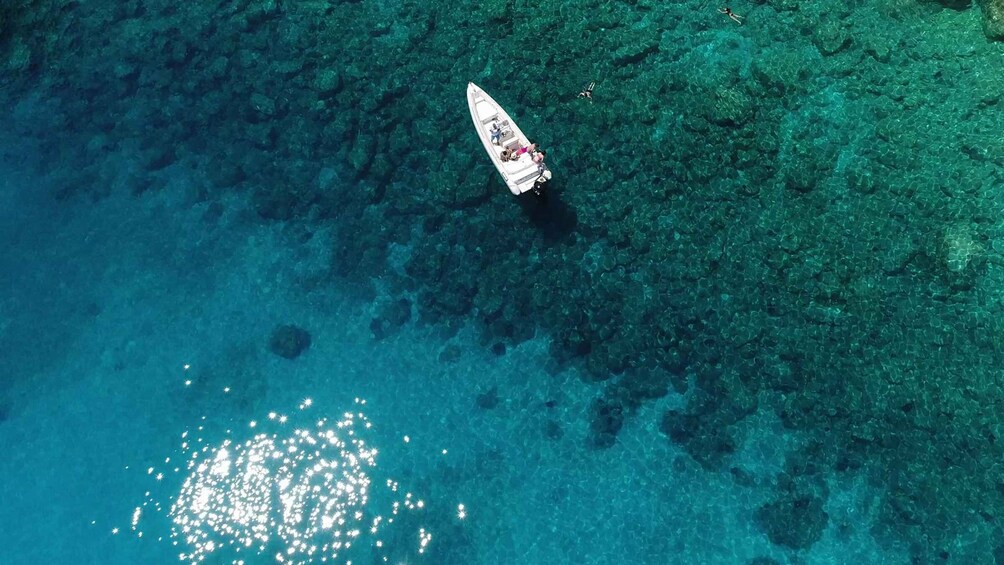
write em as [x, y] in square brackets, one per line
[588, 91]
[732, 15]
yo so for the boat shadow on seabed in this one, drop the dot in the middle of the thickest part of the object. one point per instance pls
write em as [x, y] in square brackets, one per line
[552, 217]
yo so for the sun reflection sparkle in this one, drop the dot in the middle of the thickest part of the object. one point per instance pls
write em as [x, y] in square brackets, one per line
[299, 495]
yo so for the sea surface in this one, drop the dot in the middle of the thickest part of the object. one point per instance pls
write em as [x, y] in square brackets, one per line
[264, 299]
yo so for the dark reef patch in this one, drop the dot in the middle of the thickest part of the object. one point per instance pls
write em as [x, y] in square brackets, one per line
[488, 400]
[553, 430]
[288, 341]
[606, 419]
[793, 522]
[450, 353]
[391, 317]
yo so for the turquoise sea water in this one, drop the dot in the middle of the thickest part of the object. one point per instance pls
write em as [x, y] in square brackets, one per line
[265, 300]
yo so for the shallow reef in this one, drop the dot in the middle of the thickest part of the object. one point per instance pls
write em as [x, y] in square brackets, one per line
[799, 214]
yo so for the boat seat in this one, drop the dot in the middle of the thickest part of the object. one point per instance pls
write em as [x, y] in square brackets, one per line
[490, 118]
[520, 167]
[535, 174]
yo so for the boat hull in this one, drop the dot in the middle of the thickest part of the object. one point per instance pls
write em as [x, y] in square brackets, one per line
[520, 175]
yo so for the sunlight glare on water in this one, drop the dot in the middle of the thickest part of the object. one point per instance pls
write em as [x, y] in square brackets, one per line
[299, 494]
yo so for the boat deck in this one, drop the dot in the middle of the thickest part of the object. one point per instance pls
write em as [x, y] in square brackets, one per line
[520, 174]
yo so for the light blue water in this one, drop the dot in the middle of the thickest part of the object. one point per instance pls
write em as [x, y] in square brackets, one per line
[132, 320]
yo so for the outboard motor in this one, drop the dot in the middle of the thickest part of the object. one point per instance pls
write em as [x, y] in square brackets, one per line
[541, 183]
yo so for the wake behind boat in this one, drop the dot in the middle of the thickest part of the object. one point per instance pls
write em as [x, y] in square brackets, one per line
[518, 169]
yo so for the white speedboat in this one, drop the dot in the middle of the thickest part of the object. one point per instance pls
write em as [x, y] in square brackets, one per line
[519, 172]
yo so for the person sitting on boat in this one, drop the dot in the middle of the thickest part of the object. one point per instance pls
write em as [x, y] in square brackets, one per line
[532, 148]
[512, 154]
[538, 158]
[496, 132]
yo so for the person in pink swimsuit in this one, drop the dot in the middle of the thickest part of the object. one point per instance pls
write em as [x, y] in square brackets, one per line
[532, 148]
